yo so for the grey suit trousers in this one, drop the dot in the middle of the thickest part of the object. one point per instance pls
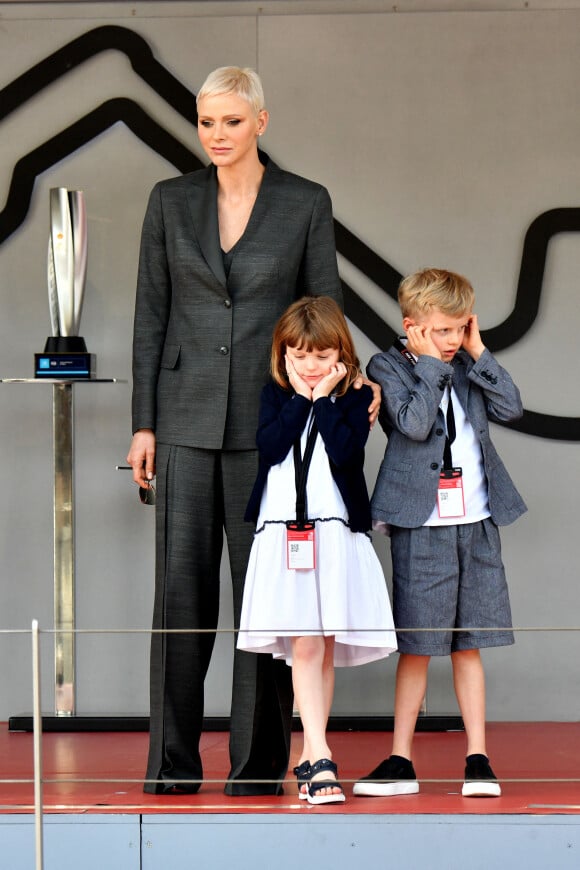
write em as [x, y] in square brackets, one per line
[201, 493]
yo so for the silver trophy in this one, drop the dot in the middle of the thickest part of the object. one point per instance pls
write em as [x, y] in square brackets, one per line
[65, 352]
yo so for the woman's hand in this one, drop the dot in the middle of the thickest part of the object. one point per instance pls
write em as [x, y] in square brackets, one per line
[141, 457]
[375, 405]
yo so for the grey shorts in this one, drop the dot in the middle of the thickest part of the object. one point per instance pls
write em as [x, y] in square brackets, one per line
[450, 577]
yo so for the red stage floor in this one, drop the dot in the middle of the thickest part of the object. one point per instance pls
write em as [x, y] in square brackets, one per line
[538, 765]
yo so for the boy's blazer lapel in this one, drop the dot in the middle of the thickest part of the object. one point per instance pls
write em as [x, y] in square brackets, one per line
[460, 381]
[404, 365]
[202, 199]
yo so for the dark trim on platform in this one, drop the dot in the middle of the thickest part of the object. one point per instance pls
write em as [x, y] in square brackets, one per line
[88, 722]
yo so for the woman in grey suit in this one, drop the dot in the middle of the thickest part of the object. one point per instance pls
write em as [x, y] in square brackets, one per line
[224, 251]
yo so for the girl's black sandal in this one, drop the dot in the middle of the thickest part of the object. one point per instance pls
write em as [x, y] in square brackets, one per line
[316, 785]
[302, 774]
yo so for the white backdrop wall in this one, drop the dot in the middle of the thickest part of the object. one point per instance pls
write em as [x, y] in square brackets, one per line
[441, 136]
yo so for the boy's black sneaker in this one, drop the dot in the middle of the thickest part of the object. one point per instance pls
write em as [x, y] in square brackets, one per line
[394, 775]
[480, 780]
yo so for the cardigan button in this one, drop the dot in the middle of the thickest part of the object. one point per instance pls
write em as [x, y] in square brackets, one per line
[439, 431]
[434, 466]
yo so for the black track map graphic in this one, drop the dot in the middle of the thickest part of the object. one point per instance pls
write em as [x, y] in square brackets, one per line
[353, 249]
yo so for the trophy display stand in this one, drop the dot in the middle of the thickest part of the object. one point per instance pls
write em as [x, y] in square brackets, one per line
[64, 364]
[65, 716]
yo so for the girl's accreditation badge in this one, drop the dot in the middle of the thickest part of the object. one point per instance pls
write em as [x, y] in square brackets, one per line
[450, 500]
[300, 546]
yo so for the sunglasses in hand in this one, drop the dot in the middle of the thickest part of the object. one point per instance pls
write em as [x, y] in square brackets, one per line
[147, 494]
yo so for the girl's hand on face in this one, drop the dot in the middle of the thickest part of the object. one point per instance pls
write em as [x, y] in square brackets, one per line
[300, 386]
[472, 342]
[420, 342]
[329, 381]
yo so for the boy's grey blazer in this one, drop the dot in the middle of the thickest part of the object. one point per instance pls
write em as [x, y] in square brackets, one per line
[201, 351]
[406, 488]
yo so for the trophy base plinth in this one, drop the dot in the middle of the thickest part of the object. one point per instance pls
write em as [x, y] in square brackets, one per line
[65, 344]
[65, 357]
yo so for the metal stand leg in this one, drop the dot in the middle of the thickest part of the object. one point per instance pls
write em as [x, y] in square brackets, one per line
[64, 591]
[65, 717]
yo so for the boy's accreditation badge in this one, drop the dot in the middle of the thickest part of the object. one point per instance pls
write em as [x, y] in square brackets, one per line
[300, 546]
[450, 502]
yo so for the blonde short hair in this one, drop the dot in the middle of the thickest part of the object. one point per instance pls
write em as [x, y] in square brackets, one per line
[313, 322]
[242, 81]
[421, 292]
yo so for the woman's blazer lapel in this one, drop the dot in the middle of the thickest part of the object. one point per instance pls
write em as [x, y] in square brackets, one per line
[202, 200]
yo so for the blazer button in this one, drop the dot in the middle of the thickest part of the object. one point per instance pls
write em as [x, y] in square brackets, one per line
[224, 350]
[228, 303]
[439, 431]
[434, 466]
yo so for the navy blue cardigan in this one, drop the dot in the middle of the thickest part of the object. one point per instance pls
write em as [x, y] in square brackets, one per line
[343, 425]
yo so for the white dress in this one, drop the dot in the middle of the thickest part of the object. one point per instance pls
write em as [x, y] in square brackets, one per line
[345, 595]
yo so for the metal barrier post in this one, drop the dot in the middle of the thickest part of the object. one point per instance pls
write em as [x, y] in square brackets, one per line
[37, 729]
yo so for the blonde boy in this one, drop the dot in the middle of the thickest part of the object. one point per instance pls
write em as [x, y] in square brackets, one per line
[442, 491]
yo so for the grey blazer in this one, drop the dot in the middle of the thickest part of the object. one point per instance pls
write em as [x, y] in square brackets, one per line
[406, 487]
[201, 343]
